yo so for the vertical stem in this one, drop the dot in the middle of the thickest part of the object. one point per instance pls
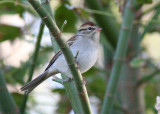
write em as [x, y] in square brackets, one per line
[33, 64]
[51, 24]
[119, 56]
[73, 96]
[7, 103]
[69, 86]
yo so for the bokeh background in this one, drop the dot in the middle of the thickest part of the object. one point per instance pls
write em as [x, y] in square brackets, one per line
[139, 83]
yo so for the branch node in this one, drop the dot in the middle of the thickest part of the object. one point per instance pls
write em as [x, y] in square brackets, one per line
[70, 64]
[68, 80]
[109, 95]
[58, 80]
[38, 7]
[126, 28]
[45, 17]
[132, 8]
[63, 47]
[119, 59]
[56, 35]
[82, 94]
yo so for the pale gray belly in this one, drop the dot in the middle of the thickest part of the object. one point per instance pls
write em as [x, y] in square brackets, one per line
[86, 58]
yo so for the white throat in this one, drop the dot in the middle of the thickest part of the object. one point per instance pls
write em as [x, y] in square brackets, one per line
[83, 35]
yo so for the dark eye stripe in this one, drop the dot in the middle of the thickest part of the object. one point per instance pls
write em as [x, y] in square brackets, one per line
[86, 29]
[90, 28]
[82, 30]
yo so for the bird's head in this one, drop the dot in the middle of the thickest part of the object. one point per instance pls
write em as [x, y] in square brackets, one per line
[89, 29]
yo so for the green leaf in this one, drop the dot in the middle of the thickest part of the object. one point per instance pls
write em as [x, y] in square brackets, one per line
[18, 98]
[14, 75]
[61, 14]
[137, 62]
[144, 1]
[8, 32]
[10, 8]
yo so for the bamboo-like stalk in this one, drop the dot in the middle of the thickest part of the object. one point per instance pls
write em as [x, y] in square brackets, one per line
[69, 86]
[108, 23]
[7, 103]
[34, 60]
[119, 56]
[80, 87]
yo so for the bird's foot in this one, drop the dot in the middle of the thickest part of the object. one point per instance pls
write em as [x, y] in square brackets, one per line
[84, 81]
[68, 80]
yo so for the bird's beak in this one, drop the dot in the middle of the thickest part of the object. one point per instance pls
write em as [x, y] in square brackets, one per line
[99, 28]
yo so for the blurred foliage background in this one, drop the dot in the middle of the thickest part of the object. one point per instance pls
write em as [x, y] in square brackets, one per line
[139, 82]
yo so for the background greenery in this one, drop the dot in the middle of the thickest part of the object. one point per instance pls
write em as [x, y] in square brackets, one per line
[139, 78]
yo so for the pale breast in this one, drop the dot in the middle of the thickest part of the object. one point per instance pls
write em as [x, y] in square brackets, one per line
[87, 56]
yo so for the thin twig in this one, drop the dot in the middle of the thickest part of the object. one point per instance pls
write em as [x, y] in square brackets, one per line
[150, 9]
[148, 78]
[58, 80]
[64, 23]
[157, 12]
[34, 60]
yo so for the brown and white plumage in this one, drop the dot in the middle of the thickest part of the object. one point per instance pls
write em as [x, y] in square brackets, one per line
[85, 42]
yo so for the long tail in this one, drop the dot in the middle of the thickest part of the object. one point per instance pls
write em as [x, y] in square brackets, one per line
[34, 83]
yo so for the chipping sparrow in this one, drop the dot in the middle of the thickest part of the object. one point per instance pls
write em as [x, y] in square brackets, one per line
[84, 45]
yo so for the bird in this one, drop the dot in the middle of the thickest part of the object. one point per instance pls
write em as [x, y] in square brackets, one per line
[84, 46]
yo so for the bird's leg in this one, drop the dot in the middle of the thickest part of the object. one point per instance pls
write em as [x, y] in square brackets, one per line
[76, 59]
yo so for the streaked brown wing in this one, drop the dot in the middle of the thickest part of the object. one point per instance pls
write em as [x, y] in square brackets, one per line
[54, 59]
[69, 42]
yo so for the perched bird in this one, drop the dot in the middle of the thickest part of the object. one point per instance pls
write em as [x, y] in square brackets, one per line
[84, 45]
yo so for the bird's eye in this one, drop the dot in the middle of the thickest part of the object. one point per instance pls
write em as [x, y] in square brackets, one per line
[89, 28]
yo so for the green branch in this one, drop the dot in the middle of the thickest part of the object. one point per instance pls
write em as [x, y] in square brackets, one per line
[69, 86]
[148, 78]
[33, 64]
[50, 23]
[157, 5]
[108, 23]
[119, 56]
[146, 29]
[7, 104]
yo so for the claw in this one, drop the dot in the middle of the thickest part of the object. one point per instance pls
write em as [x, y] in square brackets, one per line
[84, 81]
[68, 80]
